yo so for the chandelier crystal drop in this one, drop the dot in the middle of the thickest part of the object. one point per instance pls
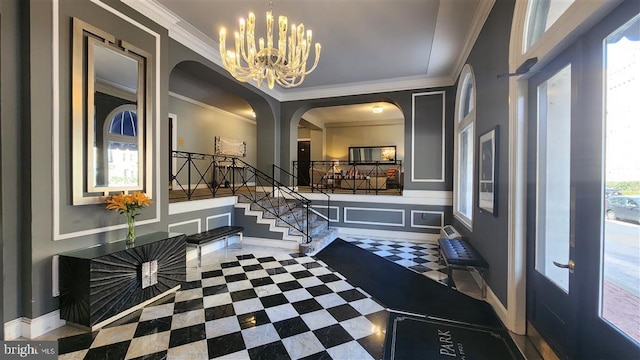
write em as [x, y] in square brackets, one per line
[285, 65]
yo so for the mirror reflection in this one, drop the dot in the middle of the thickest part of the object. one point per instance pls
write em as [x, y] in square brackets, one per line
[116, 134]
[372, 154]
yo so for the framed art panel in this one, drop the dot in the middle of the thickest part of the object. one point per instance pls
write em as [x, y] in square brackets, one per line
[487, 176]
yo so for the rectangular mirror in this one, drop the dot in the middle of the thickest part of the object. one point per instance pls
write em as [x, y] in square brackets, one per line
[372, 154]
[111, 134]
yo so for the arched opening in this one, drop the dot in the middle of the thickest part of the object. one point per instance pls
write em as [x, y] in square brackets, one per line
[362, 143]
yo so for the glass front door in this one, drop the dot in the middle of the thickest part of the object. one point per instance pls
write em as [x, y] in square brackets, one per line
[583, 227]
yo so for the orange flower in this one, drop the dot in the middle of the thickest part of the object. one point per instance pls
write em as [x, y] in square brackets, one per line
[128, 204]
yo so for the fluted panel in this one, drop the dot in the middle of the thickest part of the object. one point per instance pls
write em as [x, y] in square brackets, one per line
[99, 288]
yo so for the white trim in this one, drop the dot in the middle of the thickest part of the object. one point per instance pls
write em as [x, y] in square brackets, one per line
[413, 136]
[477, 23]
[282, 244]
[347, 221]
[337, 219]
[198, 205]
[32, 328]
[228, 215]
[441, 213]
[198, 221]
[497, 306]
[55, 78]
[416, 197]
[391, 234]
[12, 329]
[212, 108]
[174, 145]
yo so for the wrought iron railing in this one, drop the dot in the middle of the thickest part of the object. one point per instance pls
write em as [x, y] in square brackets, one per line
[370, 178]
[200, 176]
[291, 179]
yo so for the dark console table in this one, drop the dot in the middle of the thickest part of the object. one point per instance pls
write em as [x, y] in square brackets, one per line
[103, 283]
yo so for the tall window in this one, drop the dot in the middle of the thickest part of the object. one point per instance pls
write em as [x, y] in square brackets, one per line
[121, 144]
[465, 119]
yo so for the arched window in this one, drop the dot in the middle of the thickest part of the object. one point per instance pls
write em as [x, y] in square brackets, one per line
[465, 119]
[121, 141]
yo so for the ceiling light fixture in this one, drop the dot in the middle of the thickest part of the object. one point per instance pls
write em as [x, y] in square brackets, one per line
[276, 65]
[377, 109]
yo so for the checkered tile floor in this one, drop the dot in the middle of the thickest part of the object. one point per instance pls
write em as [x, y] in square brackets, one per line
[285, 306]
[272, 307]
[419, 257]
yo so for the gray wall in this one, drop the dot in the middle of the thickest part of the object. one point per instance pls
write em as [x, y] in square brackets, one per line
[339, 138]
[11, 186]
[490, 234]
[428, 124]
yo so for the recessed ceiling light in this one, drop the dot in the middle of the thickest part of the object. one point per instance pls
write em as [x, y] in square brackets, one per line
[376, 109]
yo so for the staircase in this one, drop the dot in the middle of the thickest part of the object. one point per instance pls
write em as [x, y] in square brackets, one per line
[271, 202]
[288, 218]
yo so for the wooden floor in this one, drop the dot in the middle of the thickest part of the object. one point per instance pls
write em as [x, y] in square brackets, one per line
[201, 194]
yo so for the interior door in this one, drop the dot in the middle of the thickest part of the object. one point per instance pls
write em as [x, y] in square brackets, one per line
[583, 268]
[304, 161]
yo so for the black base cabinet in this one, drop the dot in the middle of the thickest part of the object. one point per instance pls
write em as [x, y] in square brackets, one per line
[99, 283]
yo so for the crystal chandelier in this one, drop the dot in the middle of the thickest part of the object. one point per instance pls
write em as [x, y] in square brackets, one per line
[285, 65]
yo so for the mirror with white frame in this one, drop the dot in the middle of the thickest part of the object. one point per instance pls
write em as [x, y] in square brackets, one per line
[111, 146]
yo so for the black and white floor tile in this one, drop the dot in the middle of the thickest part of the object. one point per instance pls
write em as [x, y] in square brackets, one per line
[284, 306]
[421, 257]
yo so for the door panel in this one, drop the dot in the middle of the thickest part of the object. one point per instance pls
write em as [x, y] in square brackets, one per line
[593, 310]
[304, 159]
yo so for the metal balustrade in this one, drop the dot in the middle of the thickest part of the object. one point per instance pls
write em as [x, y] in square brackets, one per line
[198, 176]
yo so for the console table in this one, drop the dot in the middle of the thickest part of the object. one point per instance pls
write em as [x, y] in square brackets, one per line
[103, 283]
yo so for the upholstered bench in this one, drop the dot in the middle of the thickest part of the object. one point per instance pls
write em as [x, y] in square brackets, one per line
[458, 253]
[219, 233]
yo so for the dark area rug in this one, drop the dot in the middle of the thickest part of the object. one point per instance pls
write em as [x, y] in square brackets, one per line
[455, 325]
[423, 338]
[399, 288]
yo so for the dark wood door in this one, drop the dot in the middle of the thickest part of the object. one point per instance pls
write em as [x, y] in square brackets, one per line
[304, 161]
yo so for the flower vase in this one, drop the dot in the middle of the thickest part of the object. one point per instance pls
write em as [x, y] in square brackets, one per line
[131, 229]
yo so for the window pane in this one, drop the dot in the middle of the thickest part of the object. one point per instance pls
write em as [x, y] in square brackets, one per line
[620, 281]
[553, 177]
[467, 97]
[465, 180]
[542, 14]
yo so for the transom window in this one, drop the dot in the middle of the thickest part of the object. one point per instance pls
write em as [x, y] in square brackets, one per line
[541, 15]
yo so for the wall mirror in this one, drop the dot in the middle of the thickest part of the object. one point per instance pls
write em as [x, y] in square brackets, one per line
[111, 111]
[372, 154]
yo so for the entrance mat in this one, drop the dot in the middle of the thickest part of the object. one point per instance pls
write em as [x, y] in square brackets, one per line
[410, 337]
[399, 288]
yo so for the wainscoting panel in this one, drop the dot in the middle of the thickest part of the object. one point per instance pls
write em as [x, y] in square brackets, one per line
[187, 227]
[428, 137]
[334, 212]
[373, 216]
[427, 219]
[218, 220]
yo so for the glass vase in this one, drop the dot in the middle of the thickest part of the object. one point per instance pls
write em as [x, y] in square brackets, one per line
[131, 229]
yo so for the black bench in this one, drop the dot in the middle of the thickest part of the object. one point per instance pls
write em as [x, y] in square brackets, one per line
[219, 233]
[458, 253]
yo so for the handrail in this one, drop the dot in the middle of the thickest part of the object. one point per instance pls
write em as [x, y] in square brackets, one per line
[220, 171]
[294, 183]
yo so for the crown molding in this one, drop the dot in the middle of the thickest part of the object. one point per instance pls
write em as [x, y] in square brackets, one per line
[368, 87]
[479, 18]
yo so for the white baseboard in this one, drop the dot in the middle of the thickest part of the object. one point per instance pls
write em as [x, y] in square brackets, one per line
[395, 235]
[282, 244]
[32, 328]
[497, 306]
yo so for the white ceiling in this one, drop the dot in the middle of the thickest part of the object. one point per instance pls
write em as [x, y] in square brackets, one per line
[367, 45]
